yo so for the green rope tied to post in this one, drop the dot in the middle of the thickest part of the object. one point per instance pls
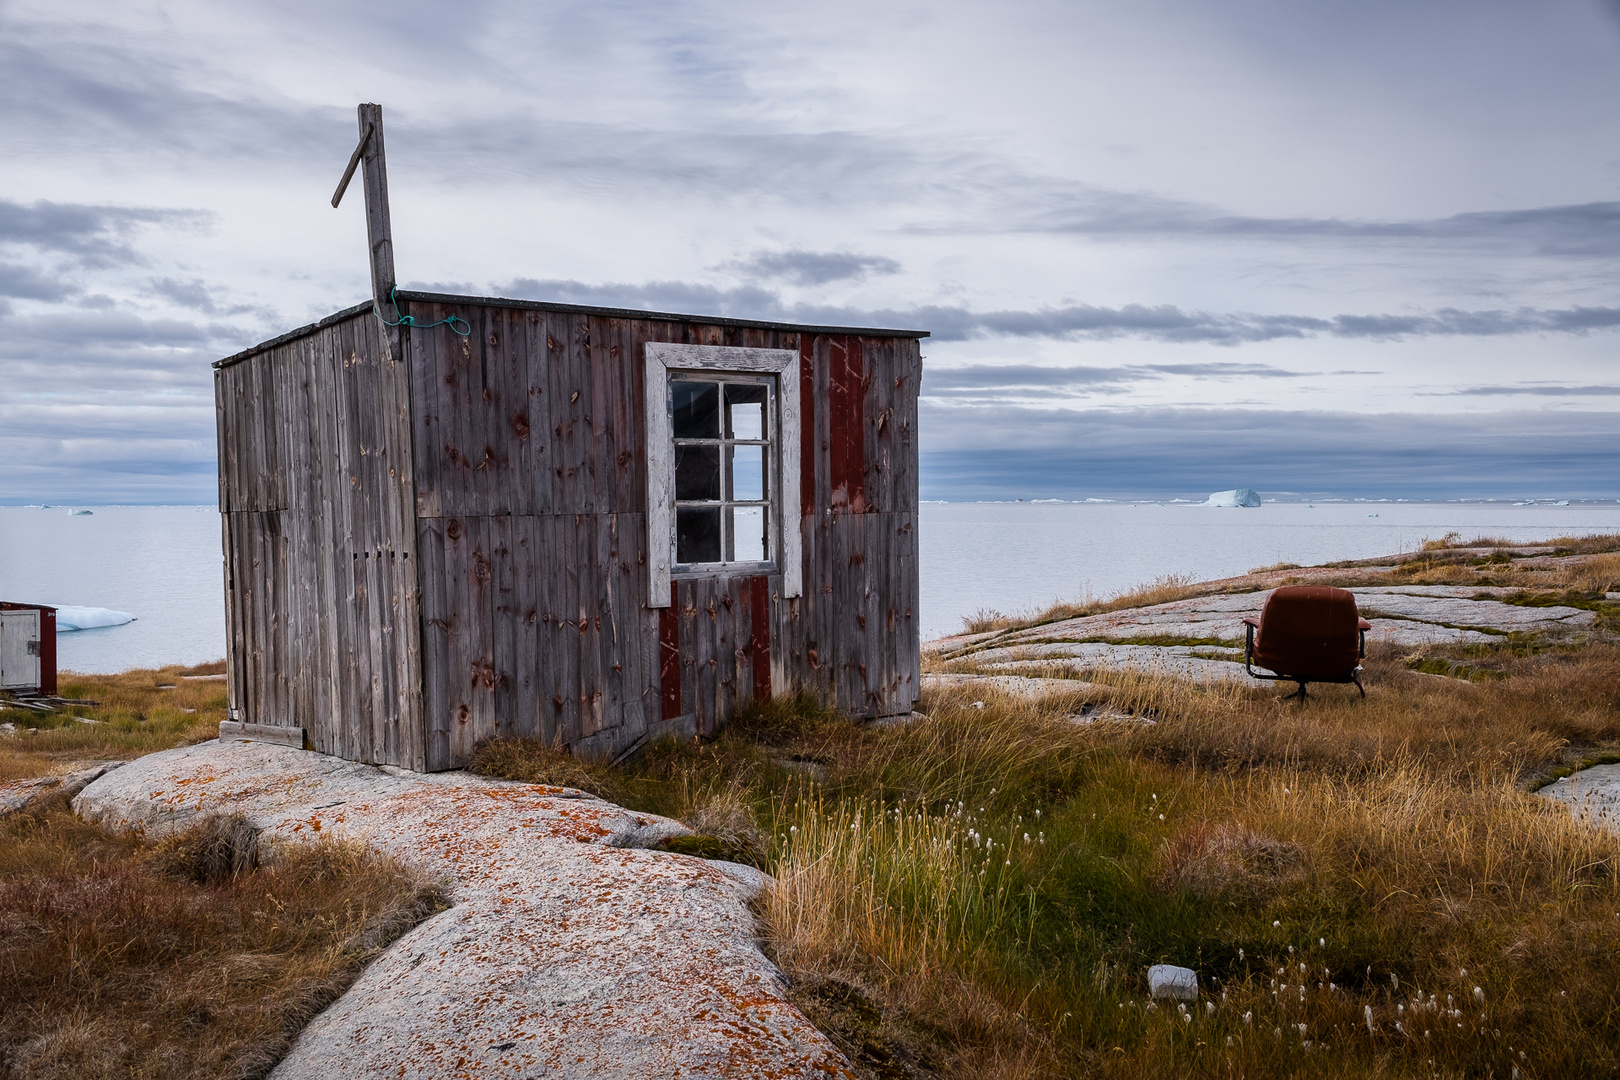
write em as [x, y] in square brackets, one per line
[410, 320]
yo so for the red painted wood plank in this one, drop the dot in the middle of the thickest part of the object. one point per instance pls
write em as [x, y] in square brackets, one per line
[846, 393]
[669, 656]
[807, 424]
[759, 607]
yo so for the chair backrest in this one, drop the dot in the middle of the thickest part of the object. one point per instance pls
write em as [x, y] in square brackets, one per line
[1309, 632]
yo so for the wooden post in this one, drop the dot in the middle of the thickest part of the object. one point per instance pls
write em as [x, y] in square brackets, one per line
[378, 230]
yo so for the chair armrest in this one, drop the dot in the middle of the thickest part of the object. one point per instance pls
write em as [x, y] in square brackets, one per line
[1364, 624]
[1252, 620]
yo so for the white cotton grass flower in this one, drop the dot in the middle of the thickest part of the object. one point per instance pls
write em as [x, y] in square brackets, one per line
[1276, 923]
[1322, 941]
[1366, 1011]
[1248, 1017]
[1479, 995]
[1302, 1031]
[1209, 1007]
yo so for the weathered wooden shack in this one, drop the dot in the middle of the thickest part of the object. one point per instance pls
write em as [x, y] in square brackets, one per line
[582, 525]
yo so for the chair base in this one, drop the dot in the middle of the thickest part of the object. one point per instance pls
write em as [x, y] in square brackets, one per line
[1355, 677]
[1248, 665]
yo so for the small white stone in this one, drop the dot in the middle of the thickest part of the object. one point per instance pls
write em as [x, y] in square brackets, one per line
[1169, 981]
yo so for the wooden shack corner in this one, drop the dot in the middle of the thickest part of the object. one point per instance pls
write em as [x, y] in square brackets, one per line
[478, 525]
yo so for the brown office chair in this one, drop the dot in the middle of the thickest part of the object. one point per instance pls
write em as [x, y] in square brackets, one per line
[1308, 633]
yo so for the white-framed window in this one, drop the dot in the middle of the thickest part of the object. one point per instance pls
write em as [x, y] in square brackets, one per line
[722, 463]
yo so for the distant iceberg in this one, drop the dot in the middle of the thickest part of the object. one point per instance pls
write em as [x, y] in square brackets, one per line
[1235, 497]
[72, 617]
[80, 513]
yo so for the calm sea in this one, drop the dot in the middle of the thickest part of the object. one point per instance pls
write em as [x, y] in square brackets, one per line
[162, 563]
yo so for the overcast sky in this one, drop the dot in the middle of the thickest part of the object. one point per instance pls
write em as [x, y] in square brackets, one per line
[1163, 246]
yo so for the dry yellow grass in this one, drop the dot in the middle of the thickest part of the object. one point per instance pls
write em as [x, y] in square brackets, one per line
[1388, 846]
[182, 958]
[1161, 590]
[139, 712]
[1586, 566]
[178, 958]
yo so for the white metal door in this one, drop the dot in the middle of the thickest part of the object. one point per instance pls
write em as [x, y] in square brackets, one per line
[19, 649]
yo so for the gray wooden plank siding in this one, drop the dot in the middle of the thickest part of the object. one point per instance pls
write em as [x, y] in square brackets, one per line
[315, 467]
[430, 549]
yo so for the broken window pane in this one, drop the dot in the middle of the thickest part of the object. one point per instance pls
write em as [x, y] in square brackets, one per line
[697, 534]
[696, 409]
[748, 530]
[747, 473]
[745, 411]
[697, 473]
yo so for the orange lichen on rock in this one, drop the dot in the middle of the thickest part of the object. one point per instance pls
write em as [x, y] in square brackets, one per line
[571, 951]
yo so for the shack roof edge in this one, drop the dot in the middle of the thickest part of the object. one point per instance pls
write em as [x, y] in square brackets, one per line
[583, 309]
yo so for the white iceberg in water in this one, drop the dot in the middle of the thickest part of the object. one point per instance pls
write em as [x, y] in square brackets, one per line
[1235, 497]
[72, 617]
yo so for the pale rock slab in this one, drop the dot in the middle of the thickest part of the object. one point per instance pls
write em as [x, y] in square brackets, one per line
[1404, 615]
[1170, 981]
[1593, 795]
[1178, 661]
[568, 953]
[1017, 685]
[18, 795]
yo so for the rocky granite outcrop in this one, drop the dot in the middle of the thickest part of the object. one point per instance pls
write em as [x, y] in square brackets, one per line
[19, 795]
[1593, 794]
[571, 951]
[1202, 637]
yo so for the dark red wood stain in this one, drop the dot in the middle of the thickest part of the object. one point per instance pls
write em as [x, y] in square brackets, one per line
[47, 650]
[846, 394]
[759, 604]
[669, 656]
[807, 423]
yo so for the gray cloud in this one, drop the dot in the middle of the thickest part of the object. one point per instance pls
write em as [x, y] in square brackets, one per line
[1533, 389]
[95, 236]
[983, 381]
[95, 91]
[198, 295]
[1003, 451]
[1038, 205]
[1164, 322]
[28, 283]
[747, 301]
[799, 267]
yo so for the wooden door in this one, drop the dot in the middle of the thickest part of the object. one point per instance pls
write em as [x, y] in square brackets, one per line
[19, 650]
